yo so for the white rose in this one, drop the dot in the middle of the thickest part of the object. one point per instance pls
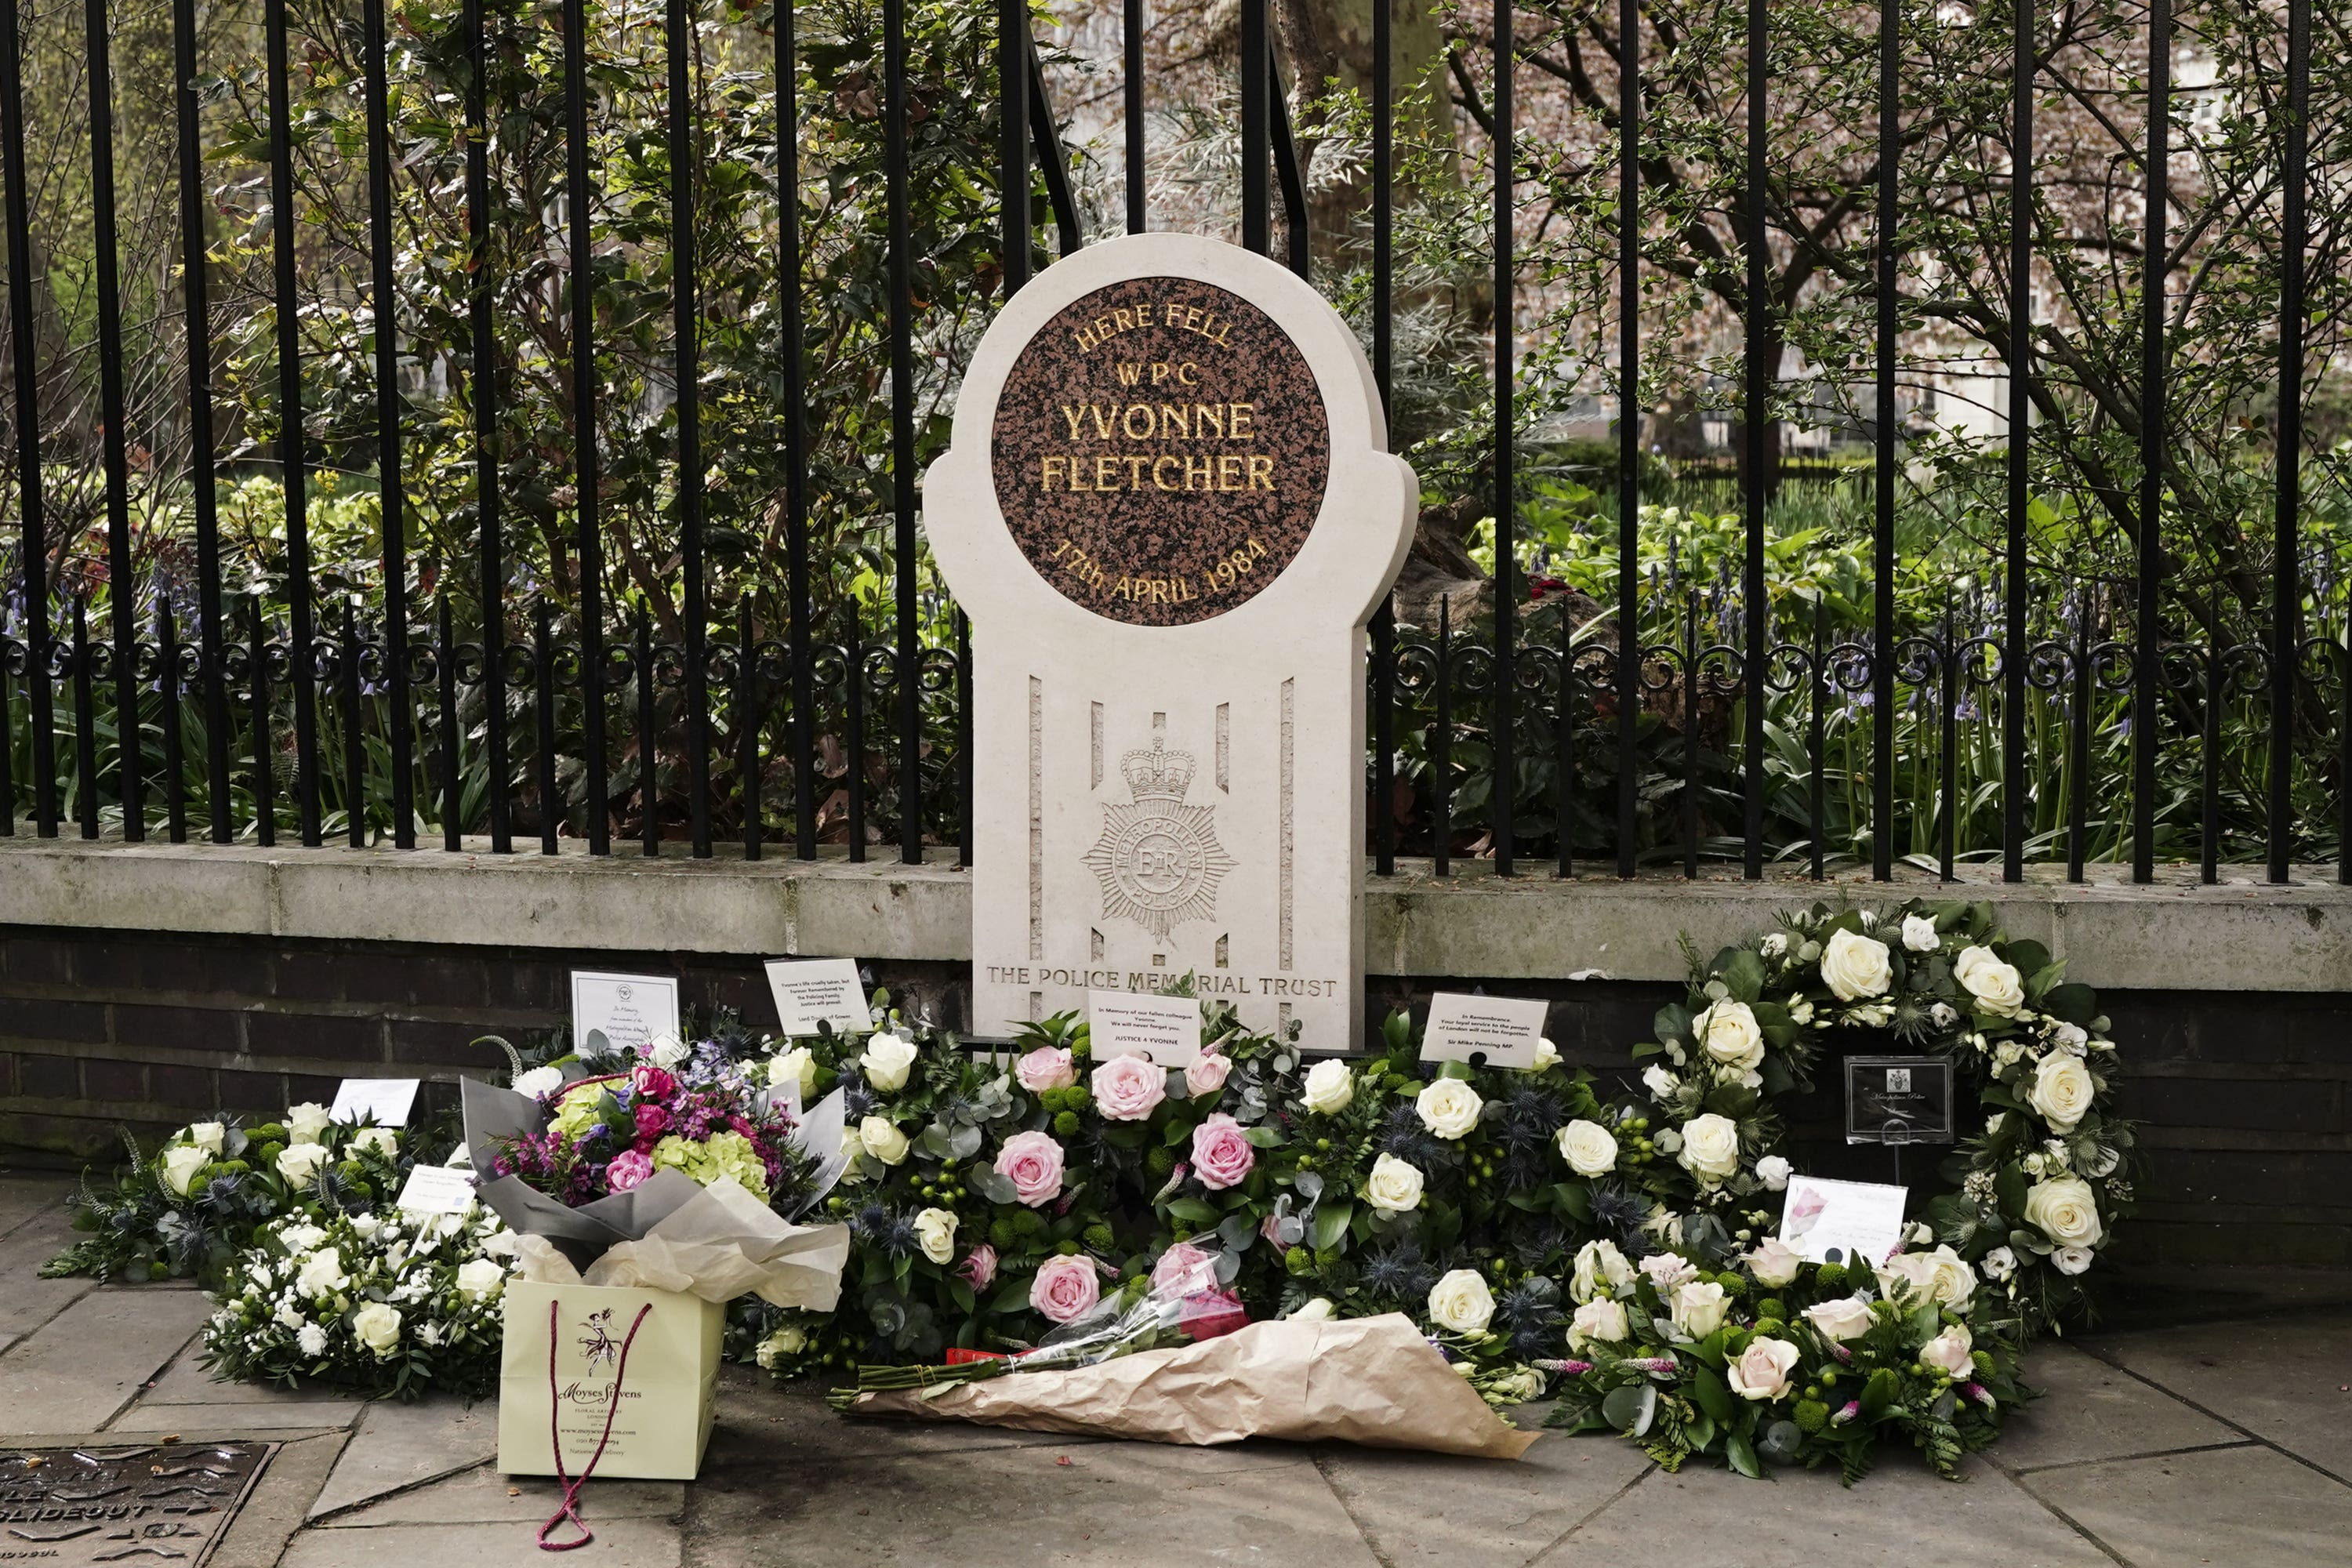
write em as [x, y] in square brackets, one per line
[1599, 1268]
[1319, 1310]
[1661, 1083]
[1393, 1186]
[1847, 1318]
[301, 1238]
[1761, 1371]
[383, 1139]
[538, 1081]
[2064, 1210]
[479, 1278]
[1773, 1264]
[300, 1162]
[668, 1050]
[935, 1230]
[795, 1066]
[377, 1327]
[1773, 1171]
[1461, 1301]
[779, 1347]
[1711, 1148]
[1855, 966]
[206, 1135]
[880, 1137]
[1698, 1308]
[2072, 1259]
[1330, 1086]
[2061, 1091]
[1947, 1352]
[321, 1273]
[1728, 1034]
[366, 1225]
[1942, 1277]
[1998, 1264]
[181, 1164]
[1449, 1107]
[1603, 1319]
[311, 1340]
[1919, 933]
[1994, 984]
[306, 1121]
[1587, 1147]
[1546, 1055]
[888, 1058]
[2008, 1053]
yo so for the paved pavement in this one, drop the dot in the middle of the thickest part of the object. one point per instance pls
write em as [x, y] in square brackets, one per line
[2227, 1443]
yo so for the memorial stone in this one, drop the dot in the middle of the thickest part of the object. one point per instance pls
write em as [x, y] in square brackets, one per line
[1168, 509]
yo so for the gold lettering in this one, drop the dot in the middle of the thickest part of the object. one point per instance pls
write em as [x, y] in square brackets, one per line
[1051, 467]
[1088, 337]
[1071, 415]
[1107, 473]
[1143, 314]
[1201, 469]
[1126, 320]
[1078, 477]
[1160, 370]
[1160, 463]
[1173, 419]
[1127, 422]
[1208, 417]
[1229, 473]
[1188, 373]
[1134, 473]
[1242, 415]
[1106, 415]
[1261, 467]
[1129, 373]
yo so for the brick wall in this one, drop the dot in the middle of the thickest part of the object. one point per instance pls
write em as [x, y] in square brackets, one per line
[2243, 1096]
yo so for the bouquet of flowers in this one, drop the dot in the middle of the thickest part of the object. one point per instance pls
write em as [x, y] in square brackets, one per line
[190, 1207]
[395, 1303]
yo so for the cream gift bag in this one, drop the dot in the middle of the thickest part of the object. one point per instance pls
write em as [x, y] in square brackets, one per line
[630, 1371]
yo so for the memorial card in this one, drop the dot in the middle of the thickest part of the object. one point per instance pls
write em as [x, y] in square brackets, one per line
[814, 991]
[387, 1100]
[436, 1189]
[1898, 1099]
[1166, 1029]
[1491, 1031]
[1830, 1222]
[611, 1013]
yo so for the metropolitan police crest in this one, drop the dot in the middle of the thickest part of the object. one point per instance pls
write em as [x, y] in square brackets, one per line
[1158, 859]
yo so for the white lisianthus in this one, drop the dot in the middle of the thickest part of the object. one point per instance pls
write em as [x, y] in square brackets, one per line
[1710, 1146]
[1773, 1264]
[383, 1139]
[2070, 1038]
[667, 1051]
[1942, 1015]
[181, 1164]
[311, 1340]
[1599, 1268]
[1661, 1083]
[377, 1327]
[1546, 1055]
[1776, 945]
[538, 1081]
[1461, 1301]
[1800, 1012]
[2072, 1259]
[1698, 1308]
[935, 1230]
[1588, 1147]
[1330, 1086]
[321, 1273]
[880, 1137]
[2064, 1210]
[1847, 1318]
[1919, 933]
[1996, 985]
[887, 1059]
[1855, 966]
[1449, 1107]
[1728, 1034]
[300, 1162]
[1669, 1140]
[1668, 1272]
[2061, 1091]
[1947, 1352]
[796, 1068]
[1318, 1310]
[1394, 1185]
[1761, 1371]
[1773, 1171]
[1998, 1264]
[306, 1121]
[209, 1136]
[1602, 1319]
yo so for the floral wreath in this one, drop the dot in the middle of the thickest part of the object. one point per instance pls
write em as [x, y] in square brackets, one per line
[2040, 1189]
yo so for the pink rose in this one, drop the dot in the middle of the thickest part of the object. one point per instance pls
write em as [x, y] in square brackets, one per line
[1127, 1087]
[979, 1266]
[1032, 1162]
[1206, 1075]
[651, 1122]
[1222, 1155]
[1182, 1270]
[628, 1169]
[1065, 1289]
[1046, 1067]
[652, 1083]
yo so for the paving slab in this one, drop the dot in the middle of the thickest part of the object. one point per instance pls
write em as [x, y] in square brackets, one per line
[273, 1511]
[1437, 1507]
[482, 1496]
[75, 1371]
[2248, 1508]
[1142, 1505]
[194, 1420]
[630, 1543]
[24, 1197]
[790, 1423]
[27, 1301]
[2283, 1379]
[1901, 1516]
[2090, 1410]
[400, 1446]
[185, 1382]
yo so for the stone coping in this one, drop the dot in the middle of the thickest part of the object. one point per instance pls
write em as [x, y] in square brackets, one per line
[2242, 935]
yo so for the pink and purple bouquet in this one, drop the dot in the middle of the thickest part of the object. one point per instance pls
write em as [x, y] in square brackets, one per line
[611, 1132]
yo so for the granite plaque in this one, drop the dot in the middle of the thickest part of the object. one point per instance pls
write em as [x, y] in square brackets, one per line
[165, 1502]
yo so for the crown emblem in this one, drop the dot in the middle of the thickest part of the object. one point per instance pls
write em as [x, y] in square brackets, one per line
[1157, 859]
[1158, 773]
